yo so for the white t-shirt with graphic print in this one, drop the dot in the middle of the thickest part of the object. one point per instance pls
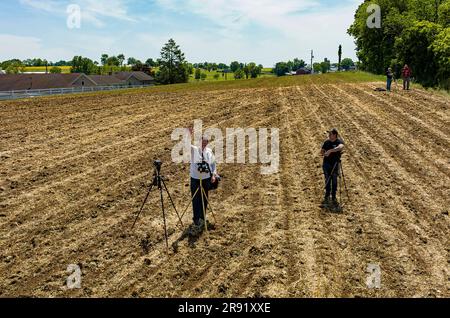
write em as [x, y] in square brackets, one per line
[197, 156]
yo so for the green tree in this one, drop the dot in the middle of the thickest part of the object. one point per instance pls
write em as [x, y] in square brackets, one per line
[281, 68]
[132, 61]
[150, 62]
[6, 64]
[203, 76]
[246, 70]
[347, 63]
[173, 67]
[441, 50]
[239, 74]
[253, 70]
[216, 76]
[317, 67]
[15, 67]
[296, 64]
[414, 48]
[113, 61]
[104, 58]
[234, 66]
[198, 74]
[375, 47]
[121, 58]
[83, 65]
[55, 70]
[444, 14]
[424, 10]
[62, 63]
[410, 33]
[325, 66]
[38, 62]
[190, 68]
[290, 65]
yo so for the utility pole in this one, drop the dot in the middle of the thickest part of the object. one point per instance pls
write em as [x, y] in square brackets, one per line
[312, 57]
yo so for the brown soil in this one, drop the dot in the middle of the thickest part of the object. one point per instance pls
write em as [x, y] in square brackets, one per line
[74, 170]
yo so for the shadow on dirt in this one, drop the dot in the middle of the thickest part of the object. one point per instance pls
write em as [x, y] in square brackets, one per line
[193, 233]
[334, 209]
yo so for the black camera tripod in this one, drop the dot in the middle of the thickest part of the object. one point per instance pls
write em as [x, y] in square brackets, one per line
[341, 180]
[158, 181]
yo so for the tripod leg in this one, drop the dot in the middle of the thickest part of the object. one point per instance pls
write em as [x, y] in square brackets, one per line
[340, 188]
[345, 183]
[143, 204]
[164, 217]
[209, 206]
[192, 199]
[171, 201]
[203, 205]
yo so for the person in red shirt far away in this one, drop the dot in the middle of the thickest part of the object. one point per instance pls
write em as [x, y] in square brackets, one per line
[406, 74]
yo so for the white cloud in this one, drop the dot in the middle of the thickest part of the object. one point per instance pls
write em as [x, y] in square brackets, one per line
[263, 31]
[299, 26]
[238, 13]
[92, 11]
[45, 5]
[24, 47]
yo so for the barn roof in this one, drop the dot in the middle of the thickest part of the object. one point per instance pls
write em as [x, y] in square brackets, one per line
[106, 80]
[10, 82]
[138, 75]
[16, 82]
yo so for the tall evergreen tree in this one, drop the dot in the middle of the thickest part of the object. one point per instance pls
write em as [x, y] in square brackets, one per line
[173, 67]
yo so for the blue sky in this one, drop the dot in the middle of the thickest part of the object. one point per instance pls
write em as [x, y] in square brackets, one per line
[263, 31]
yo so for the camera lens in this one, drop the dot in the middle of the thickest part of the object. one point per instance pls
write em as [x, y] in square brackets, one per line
[158, 164]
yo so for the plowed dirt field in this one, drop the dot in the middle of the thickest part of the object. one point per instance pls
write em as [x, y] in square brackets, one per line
[75, 169]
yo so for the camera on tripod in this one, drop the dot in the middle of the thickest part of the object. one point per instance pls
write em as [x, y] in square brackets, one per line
[157, 164]
[203, 167]
[159, 182]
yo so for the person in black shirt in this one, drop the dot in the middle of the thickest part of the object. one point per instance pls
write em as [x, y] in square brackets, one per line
[331, 152]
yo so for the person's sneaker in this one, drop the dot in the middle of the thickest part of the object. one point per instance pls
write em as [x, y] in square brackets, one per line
[195, 229]
[201, 224]
[335, 206]
[325, 203]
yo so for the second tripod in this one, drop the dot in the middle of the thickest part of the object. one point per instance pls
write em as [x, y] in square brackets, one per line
[158, 181]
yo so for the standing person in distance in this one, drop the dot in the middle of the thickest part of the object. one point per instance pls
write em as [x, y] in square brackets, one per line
[406, 74]
[331, 151]
[390, 78]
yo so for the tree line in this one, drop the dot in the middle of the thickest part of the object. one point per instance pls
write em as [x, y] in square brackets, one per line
[413, 32]
[284, 68]
[170, 68]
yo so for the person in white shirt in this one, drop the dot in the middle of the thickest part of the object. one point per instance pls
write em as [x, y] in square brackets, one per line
[203, 167]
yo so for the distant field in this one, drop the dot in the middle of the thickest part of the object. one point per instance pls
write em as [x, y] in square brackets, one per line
[227, 77]
[267, 82]
[65, 69]
[210, 76]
